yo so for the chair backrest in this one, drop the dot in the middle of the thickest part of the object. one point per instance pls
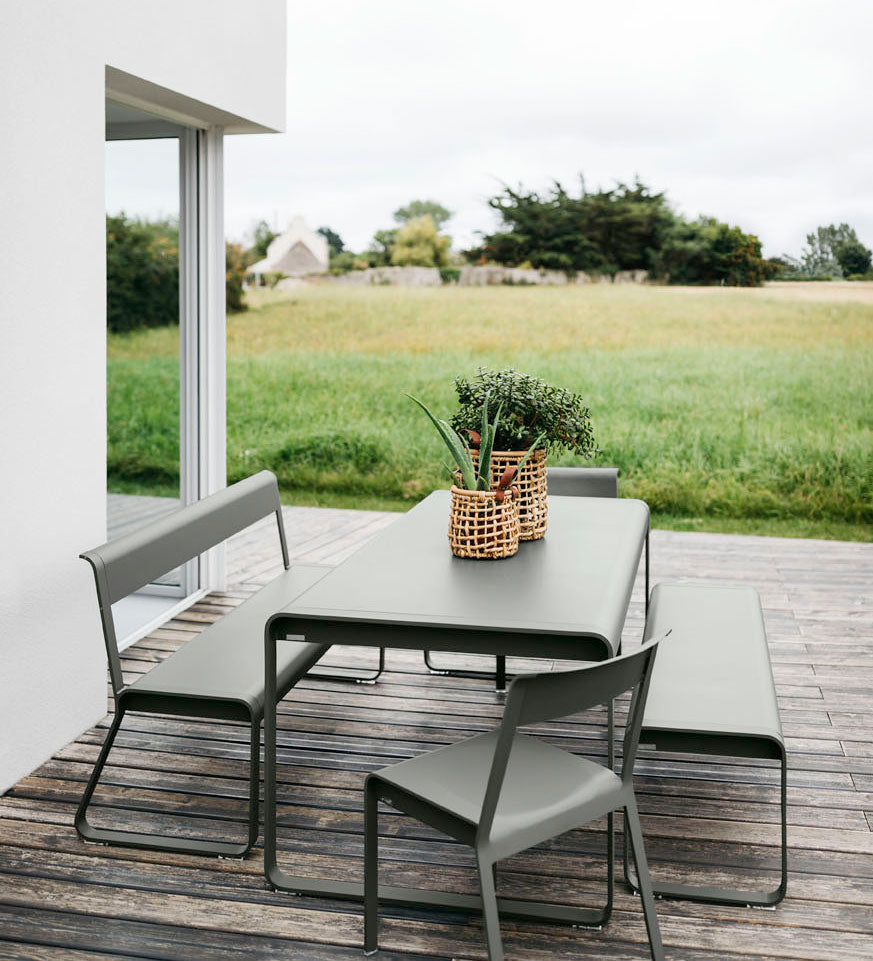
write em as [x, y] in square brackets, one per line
[583, 481]
[533, 698]
[124, 565]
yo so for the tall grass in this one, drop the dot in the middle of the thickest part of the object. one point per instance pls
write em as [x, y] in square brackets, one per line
[714, 404]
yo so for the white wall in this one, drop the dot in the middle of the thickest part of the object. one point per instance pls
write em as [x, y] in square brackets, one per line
[53, 59]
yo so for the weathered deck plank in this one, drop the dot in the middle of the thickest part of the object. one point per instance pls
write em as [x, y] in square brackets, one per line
[705, 818]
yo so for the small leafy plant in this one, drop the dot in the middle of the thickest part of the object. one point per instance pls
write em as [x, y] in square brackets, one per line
[466, 473]
[531, 413]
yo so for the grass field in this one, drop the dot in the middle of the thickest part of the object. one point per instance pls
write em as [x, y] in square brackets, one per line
[731, 410]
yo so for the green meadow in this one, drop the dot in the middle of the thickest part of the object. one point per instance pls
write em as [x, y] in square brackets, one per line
[725, 409]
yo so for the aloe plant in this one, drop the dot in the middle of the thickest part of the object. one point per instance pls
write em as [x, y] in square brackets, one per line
[465, 470]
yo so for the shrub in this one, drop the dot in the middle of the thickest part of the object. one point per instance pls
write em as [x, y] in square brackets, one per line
[705, 251]
[236, 264]
[271, 278]
[142, 273]
[528, 407]
[853, 258]
[450, 275]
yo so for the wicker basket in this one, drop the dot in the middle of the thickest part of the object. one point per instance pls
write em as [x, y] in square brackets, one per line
[480, 527]
[533, 506]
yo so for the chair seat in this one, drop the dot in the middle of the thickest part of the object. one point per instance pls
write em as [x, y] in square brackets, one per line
[544, 787]
[226, 661]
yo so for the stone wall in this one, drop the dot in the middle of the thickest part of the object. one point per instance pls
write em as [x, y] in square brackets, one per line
[395, 276]
[488, 276]
[493, 274]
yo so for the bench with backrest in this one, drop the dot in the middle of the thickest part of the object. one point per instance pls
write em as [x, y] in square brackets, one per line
[218, 674]
[712, 693]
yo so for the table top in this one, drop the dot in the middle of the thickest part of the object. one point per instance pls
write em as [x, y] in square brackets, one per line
[576, 581]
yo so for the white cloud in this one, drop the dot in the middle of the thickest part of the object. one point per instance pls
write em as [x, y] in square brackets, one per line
[754, 112]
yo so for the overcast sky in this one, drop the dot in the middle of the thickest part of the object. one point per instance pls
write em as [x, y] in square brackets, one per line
[757, 113]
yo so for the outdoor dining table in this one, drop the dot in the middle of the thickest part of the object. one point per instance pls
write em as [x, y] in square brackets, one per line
[562, 597]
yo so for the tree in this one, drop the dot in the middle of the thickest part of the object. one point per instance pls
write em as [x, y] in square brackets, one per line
[853, 258]
[334, 241]
[819, 257]
[264, 236]
[381, 248]
[608, 230]
[419, 244]
[423, 208]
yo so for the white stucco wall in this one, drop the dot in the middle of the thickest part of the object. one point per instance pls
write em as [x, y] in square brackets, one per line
[53, 59]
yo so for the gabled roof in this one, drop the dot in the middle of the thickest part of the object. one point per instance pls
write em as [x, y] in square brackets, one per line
[297, 233]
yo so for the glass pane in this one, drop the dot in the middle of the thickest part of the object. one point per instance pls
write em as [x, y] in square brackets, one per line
[142, 374]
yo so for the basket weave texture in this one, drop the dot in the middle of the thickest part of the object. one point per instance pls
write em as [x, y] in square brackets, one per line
[480, 527]
[533, 505]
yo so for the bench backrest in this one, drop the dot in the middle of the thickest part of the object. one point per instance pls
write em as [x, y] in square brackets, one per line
[124, 565]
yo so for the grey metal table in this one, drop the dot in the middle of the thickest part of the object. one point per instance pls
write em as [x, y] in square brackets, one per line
[565, 596]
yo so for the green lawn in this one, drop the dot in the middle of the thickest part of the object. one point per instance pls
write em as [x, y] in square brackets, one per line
[736, 410]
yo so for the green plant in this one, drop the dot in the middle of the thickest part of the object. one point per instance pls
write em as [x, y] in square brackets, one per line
[450, 275]
[465, 472]
[531, 412]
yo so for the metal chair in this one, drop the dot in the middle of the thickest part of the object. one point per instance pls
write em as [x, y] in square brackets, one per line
[504, 792]
[563, 482]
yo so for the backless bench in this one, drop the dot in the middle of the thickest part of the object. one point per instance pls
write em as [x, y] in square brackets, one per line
[712, 692]
[220, 672]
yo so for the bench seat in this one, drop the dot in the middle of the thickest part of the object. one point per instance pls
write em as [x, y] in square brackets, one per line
[225, 662]
[712, 692]
[713, 676]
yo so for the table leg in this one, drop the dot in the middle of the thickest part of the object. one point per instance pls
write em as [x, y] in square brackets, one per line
[279, 880]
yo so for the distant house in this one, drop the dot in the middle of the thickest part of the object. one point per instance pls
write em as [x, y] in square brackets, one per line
[297, 251]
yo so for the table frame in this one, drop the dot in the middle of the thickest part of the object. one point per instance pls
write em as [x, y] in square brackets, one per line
[365, 635]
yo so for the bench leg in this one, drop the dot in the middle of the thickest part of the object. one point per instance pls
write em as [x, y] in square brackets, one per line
[359, 677]
[713, 895]
[157, 842]
[499, 673]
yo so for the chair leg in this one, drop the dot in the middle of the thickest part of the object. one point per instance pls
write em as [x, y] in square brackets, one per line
[632, 825]
[159, 842]
[499, 671]
[371, 869]
[360, 678]
[489, 909]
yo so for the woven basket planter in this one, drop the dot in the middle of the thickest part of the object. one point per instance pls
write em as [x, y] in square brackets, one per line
[533, 506]
[481, 527]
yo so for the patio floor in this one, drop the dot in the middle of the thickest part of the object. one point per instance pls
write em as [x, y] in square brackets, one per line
[62, 899]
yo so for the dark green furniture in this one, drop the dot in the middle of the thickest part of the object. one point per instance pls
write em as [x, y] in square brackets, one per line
[219, 673]
[712, 692]
[503, 792]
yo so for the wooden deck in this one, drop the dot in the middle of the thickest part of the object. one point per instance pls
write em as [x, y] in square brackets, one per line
[62, 899]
